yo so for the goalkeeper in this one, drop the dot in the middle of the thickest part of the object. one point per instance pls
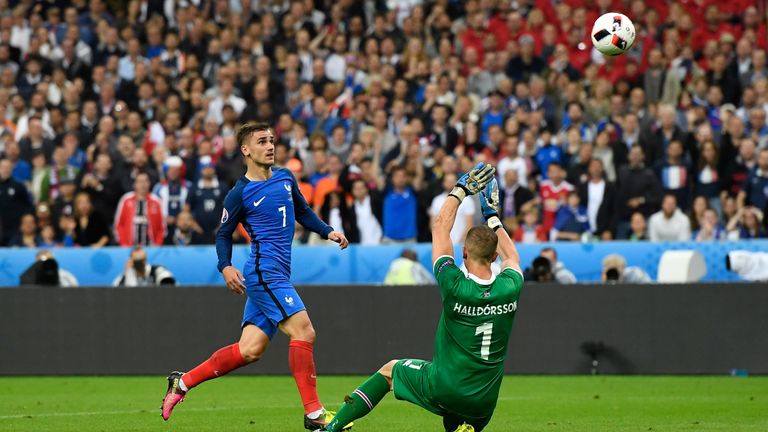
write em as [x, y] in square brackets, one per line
[461, 384]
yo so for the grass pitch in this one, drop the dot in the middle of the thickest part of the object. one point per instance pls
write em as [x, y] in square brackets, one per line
[272, 404]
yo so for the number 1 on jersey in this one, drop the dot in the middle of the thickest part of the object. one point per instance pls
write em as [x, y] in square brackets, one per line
[485, 346]
[282, 210]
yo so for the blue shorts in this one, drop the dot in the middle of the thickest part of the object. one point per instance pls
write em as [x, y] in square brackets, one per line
[269, 304]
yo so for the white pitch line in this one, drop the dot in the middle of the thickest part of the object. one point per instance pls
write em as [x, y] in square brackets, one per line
[94, 413]
[120, 412]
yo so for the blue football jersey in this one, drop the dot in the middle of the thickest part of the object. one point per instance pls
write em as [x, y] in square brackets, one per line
[268, 210]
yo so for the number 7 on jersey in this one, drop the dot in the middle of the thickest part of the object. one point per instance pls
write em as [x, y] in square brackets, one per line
[282, 210]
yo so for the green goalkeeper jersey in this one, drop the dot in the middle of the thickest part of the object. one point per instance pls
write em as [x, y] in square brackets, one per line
[472, 337]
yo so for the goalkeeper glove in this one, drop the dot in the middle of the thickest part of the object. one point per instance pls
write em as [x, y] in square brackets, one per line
[489, 204]
[473, 181]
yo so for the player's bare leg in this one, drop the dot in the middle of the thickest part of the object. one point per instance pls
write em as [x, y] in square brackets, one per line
[253, 342]
[364, 398]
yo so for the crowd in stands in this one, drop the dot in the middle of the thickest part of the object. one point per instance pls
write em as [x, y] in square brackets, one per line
[117, 119]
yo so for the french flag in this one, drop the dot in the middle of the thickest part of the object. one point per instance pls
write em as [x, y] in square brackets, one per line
[674, 177]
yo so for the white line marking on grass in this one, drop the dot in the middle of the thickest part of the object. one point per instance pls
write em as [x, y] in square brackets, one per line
[145, 411]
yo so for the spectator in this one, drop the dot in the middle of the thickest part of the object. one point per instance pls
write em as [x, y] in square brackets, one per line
[600, 198]
[365, 215]
[669, 223]
[561, 274]
[579, 165]
[47, 272]
[696, 216]
[406, 270]
[22, 170]
[64, 204]
[230, 166]
[35, 140]
[328, 183]
[103, 186]
[514, 199]
[442, 134]
[641, 194]
[512, 161]
[139, 272]
[747, 223]
[707, 183]
[14, 202]
[399, 209]
[552, 193]
[185, 232]
[26, 235]
[571, 221]
[205, 201]
[755, 191]
[335, 213]
[529, 230]
[737, 170]
[546, 155]
[174, 190]
[464, 215]
[91, 228]
[615, 270]
[638, 227]
[710, 229]
[674, 173]
[139, 219]
[655, 145]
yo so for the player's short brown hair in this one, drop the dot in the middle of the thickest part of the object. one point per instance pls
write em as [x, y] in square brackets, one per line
[481, 244]
[246, 130]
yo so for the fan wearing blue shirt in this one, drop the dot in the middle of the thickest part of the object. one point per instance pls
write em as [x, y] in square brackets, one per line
[399, 209]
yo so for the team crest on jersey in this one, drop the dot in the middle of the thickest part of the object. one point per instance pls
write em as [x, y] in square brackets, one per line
[289, 300]
[486, 293]
[224, 216]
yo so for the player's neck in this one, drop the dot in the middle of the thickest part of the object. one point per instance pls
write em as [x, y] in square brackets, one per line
[479, 270]
[258, 172]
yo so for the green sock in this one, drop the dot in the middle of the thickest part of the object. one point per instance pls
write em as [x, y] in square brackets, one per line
[361, 402]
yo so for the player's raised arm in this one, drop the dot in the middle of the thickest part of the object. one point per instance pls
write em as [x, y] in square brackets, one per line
[469, 184]
[489, 203]
[230, 218]
[309, 219]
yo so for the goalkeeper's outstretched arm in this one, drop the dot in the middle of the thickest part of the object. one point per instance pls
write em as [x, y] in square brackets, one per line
[469, 184]
[510, 258]
[441, 229]
[489, 204]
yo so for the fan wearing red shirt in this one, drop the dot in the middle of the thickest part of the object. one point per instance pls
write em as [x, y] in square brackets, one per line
[139, 218]
[553, 193]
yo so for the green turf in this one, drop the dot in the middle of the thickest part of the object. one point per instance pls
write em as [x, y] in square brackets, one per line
[272, 404]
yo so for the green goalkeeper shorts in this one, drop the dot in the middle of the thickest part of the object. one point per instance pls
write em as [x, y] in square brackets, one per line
[411, 382]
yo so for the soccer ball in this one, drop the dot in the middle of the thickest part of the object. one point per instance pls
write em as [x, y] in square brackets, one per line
[613, 34]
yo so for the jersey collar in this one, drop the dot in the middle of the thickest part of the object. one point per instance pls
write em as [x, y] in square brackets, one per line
[481, 281]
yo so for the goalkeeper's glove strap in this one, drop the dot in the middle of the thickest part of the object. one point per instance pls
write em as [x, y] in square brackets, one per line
[459, 193]
[494, 223]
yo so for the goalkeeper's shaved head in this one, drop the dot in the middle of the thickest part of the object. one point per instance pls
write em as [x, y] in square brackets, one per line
[480, 244]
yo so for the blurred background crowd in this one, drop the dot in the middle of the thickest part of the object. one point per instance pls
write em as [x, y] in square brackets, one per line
[117, 119]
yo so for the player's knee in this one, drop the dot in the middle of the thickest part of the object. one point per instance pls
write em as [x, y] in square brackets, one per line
[305, 333]
[386, 370]
[308, 334]
[252, 352]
